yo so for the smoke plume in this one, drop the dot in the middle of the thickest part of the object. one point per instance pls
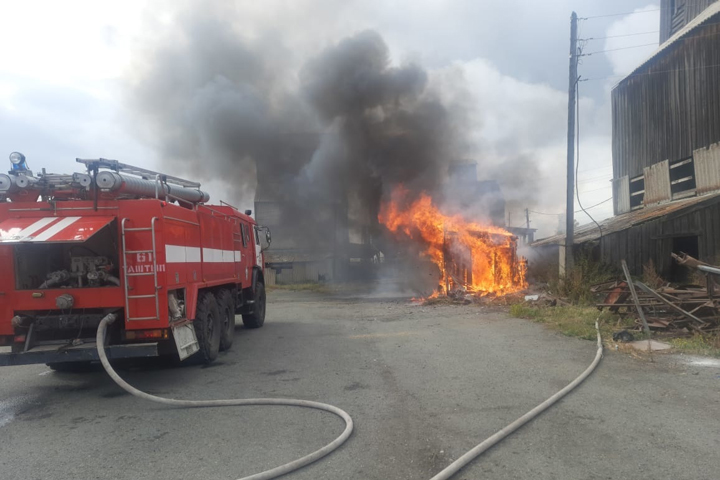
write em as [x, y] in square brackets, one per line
[343, 127]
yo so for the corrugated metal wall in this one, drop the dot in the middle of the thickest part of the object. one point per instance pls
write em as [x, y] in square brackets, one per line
[675, 14]
[654, 239]
[657, 183]
[707, 169]
[621, 195]
[670, 107]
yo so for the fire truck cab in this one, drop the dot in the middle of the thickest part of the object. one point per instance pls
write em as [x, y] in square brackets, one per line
[118, 239]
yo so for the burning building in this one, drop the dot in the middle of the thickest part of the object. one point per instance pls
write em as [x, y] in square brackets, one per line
[470, 256]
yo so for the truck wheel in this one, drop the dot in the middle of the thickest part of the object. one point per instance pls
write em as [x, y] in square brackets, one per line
[256, 319]
[207, 325]
[226, 304]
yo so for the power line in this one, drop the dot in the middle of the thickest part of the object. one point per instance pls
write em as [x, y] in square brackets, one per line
[578, 211]
[599, 177]
[693, 37]
[596, 168]
[577, 168]
[677, 70]
[598, 204]
[619, 36]
[622, 48]
[619, 14]
[596, 189]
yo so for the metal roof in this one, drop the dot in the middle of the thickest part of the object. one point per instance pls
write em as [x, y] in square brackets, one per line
[698, 21]
[590, 232]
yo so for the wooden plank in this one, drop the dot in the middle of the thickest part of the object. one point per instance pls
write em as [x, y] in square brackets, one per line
[668, 303]
[635, 299]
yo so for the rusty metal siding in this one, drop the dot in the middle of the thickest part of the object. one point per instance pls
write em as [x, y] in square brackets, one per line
[657, 183]
[671, 106]
[707, 169]
[621, 195]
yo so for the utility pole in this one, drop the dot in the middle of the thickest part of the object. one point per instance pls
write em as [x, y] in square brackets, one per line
[527, 218]
[572, 88]
[529, 235]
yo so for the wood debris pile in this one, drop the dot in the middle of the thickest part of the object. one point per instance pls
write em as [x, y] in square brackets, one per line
[690, 308]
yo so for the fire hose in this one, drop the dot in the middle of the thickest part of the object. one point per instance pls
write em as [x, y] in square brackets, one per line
[445, 474]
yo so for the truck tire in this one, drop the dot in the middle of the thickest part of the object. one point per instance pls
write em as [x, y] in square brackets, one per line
[256, 319]
[226, 304]
[207, 326]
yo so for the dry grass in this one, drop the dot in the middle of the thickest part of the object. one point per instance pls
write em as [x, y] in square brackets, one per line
[302, 287]
[573, 321]
[575, 287]
[578, 321]
[699, 344]
[650, 276]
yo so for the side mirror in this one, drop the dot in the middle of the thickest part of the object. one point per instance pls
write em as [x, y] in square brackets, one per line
[248, 212]
[267, 240]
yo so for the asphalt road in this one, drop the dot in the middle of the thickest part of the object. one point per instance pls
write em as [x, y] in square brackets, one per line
[423, 384]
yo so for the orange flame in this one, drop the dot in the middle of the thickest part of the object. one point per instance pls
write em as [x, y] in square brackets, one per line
[478, 258]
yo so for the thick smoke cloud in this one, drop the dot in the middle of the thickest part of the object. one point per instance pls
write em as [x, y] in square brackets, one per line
[381, 124]
[343, 128]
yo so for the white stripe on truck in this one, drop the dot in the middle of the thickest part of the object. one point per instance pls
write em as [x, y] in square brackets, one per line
[32, 228]
[55, 229]
[182, 254]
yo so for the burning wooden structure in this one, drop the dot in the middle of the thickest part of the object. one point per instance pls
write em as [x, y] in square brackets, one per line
[470, 256]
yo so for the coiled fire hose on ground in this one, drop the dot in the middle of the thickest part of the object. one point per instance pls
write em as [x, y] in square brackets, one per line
[445, 474]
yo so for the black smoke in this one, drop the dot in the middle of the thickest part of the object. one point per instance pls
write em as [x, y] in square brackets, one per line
[335, 131]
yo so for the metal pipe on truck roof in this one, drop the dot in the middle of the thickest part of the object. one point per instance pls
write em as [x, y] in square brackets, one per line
[14, 183]
[129, 185]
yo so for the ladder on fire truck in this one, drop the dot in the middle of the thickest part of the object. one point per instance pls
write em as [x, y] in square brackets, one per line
[140, 231]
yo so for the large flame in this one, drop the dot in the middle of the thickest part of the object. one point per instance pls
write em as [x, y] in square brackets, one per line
[472, 256]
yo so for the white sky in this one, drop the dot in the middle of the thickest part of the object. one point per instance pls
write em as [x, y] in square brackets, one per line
[63, 66]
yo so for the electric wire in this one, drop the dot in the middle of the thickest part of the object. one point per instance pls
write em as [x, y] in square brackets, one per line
[619, 14]
[683, 39]
[595, 190]
[655, 44]
[620, 36]
[596, 168]
[630, 75]
[577, 161]
[577, 211]
[599, 177]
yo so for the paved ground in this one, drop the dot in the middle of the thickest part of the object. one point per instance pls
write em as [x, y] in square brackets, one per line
[424, 384]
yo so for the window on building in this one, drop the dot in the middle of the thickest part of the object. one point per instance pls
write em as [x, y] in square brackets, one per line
[682, 178]
[637, 192]
[677, 7]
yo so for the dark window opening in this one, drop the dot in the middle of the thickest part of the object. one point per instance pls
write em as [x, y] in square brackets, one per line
[682, 178]
[689, 245]
[637, 192]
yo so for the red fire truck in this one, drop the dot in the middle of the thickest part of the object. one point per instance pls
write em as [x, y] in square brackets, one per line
[123, 240]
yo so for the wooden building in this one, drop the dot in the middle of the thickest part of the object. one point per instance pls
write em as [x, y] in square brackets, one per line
[666, 149]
